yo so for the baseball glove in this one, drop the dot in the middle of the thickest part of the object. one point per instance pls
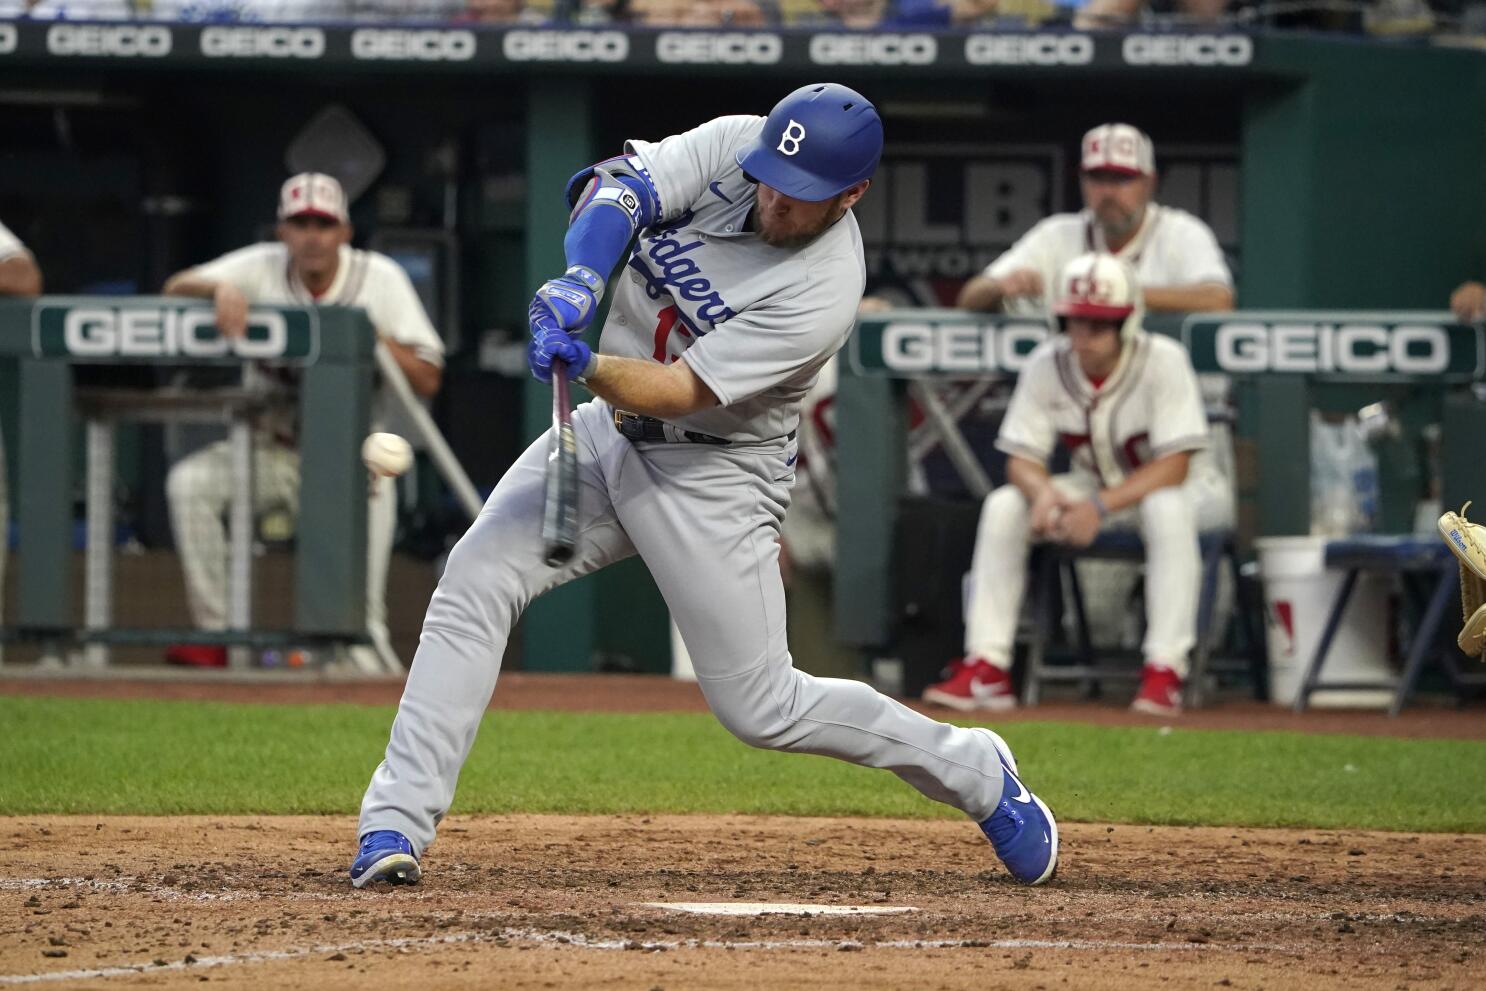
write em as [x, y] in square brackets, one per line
[1468, 542]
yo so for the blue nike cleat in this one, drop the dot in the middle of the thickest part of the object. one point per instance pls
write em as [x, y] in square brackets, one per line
[1022, 829]
[386, 855]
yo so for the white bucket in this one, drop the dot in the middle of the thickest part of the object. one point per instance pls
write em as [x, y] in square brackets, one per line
[1298, 595]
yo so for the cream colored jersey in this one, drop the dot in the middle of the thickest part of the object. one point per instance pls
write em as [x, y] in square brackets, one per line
[1148, 408]
[1172, 248]
[366, 279]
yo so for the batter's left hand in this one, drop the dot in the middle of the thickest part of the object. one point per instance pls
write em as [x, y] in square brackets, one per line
[1079, 524]
[549, 342]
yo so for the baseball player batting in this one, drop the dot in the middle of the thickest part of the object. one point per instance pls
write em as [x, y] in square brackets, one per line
[742, 268]
[1127, 406]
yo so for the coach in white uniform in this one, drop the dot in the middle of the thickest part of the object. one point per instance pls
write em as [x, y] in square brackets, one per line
[1127, 405]
[1174, 254]
[311, 262]
[742, 267]
[19, 276]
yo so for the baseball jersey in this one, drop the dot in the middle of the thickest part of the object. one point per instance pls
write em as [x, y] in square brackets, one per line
[1149, 407]
[754, 322]
[9, 243]
[367, 279]
[1171, 248]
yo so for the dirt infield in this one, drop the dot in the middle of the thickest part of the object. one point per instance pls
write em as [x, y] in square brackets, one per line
[563, 902]
[553, 902]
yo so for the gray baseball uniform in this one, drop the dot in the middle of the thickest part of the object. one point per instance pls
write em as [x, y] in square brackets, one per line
[755, 323]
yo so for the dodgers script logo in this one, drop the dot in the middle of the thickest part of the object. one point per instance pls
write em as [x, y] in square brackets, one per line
[679, 275]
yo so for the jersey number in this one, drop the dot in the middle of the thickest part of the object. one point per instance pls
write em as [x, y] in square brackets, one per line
[669, 319]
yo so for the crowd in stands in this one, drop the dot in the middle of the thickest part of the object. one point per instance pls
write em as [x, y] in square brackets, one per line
[1383, 17]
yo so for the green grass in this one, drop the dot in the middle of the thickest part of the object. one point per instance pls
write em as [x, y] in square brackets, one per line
[91, 756]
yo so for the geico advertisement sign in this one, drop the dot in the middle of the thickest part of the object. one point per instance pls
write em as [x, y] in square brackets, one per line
[112, 41]
[565, 46]
[726, 48]
[873, 49]
[1354, 349]
[1029, 49]
[1187, 49]
[245, 42]
[412, 45]
[89, 332]
[911, 348]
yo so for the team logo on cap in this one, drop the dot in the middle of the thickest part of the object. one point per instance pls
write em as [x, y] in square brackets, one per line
[789, 141]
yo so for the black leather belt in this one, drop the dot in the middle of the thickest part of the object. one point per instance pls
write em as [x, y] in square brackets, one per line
[637, 428]
[648, 428]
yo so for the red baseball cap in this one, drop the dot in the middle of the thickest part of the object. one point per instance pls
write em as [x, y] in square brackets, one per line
[313, 194]
[1118, 148]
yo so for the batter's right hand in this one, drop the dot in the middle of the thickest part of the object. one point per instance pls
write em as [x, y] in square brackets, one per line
[232, 310]
[1022, 282]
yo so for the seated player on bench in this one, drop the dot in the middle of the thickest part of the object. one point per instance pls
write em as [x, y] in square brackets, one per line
[1127, 406]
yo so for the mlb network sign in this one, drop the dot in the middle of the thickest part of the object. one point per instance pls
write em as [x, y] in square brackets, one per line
[87, 330]
[1351, 345]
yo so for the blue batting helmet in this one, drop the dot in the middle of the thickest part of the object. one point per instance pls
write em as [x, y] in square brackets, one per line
[816, 142]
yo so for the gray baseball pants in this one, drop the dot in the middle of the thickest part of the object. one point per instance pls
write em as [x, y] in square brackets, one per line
[705, 519]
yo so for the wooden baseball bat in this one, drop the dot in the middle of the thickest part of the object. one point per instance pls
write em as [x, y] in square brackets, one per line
[560, 510]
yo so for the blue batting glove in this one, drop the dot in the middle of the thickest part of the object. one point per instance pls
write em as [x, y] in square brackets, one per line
[549, 342]
[571, 299]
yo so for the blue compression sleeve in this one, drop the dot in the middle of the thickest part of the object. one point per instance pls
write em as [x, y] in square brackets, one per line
[605, 220]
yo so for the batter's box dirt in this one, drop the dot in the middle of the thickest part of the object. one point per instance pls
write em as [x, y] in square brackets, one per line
[558, 902]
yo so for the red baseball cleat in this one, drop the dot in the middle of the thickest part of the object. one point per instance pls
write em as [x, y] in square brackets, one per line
[196, 655]
[1160, 692]
[972, 683]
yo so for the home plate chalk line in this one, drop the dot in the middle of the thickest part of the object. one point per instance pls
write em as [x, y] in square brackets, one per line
[579, 941]
[776, 908]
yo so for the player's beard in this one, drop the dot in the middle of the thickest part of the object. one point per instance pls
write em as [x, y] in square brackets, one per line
[1116, 223]
[793, 239]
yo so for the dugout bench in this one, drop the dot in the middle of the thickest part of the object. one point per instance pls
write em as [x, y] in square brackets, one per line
[1282, 365]
[1430, 577]
[332, 348]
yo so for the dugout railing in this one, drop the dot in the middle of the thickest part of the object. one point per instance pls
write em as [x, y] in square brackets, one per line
[331, 351]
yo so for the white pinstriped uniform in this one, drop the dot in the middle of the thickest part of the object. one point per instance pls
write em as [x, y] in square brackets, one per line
[1170, 248]
[199, 485]
[1148, 408]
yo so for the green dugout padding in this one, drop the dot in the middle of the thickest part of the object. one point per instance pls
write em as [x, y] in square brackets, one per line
[615, 617]
[333, 349]
[1283, 364]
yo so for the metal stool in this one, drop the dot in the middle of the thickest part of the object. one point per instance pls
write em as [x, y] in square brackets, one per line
[1049, 562]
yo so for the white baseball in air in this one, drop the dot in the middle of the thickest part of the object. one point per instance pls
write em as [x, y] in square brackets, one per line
[387, 454]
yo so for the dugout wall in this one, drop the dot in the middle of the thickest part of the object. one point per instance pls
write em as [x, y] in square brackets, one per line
[1343, 172]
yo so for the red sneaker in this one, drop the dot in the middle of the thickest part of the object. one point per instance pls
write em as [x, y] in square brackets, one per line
[972, 683]
[1160, 692]
[196, 655]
